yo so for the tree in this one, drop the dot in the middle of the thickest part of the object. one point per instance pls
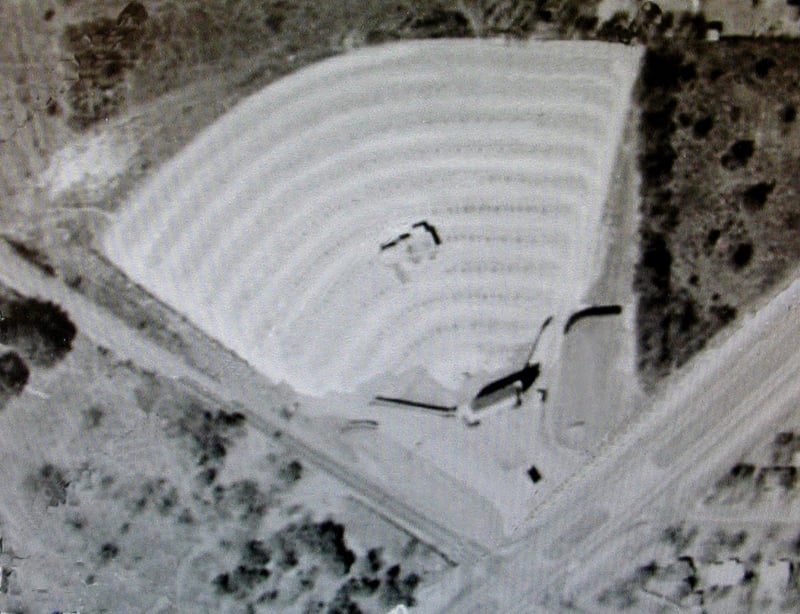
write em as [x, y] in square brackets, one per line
[14, 372]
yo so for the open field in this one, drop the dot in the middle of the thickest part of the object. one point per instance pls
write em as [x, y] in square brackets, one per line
[157, 472]
[720, 185]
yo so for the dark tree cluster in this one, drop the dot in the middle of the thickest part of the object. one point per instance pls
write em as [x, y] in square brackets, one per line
[243, 500]
[103, 50]
[431, 20]
[109, 551]
[326, 539]
[14, 373]
[702, 127]
[784, 447]
[398, 588]
[679, 536]
[210, 432]
[738, 155]
[249, 499]
[652, 26]
[659, 81]
[309, 551]
[675, 317]
[751, 480]
[41, 330]
[241, 580]
[756, 195]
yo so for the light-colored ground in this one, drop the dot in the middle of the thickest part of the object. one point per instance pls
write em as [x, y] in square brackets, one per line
[300, 287]
[32, 145]
[328, 174]
[597, 384]
[56, 564]
[739, 391]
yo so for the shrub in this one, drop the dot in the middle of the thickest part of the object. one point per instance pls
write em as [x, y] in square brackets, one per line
[31, 254]
[249, 499]
[742, 255]
[755, 197]
[40, 329]
[738, 155]
[291, 472]
[657, 163]
[723, 313]
[396, 590]
[763, 66]
[703, 126]
[109, 551]
[14, 372]
[661, 69]
[656, 262]
[92, 417]
[51, 482]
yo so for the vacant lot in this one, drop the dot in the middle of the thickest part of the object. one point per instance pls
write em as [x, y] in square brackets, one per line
[720, 163]
[126, 490]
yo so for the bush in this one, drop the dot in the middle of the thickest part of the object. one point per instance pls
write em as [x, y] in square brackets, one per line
[656, 263]
[40, 329]
[249, 499]
[14, 372]
[755, 197]
[51, 482]
[211, 432]
[738, 155]
[742, 255]
[104, 50]
[703, 126]
[32, 255]
[661, 69]
[327, 539]
[109, 551]
[763, 66]
[617, 29]
[396, 590]
[291, 472]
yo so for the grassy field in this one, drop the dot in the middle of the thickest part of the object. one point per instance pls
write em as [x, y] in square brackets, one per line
[721, 223]
[128, 490]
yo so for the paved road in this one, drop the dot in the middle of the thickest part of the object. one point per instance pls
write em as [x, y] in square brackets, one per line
[728, 397]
